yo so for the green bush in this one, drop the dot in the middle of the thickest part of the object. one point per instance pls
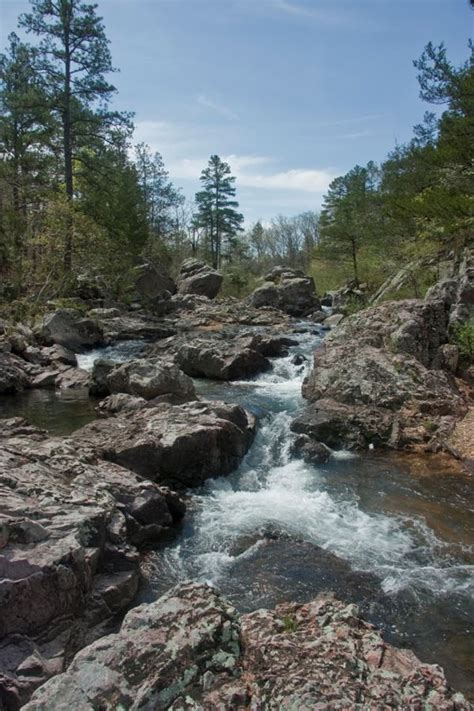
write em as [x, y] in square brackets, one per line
[463, 337]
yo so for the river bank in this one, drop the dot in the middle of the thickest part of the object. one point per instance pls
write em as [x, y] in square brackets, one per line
[276, 529]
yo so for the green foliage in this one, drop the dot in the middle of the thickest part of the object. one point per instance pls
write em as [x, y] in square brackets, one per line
[463, 337]
[216, 208]
[289, 624]
[238, 282]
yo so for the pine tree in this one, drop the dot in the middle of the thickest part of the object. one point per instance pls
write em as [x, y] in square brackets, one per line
[25, 131]
[346, 221]
[73, 58]
[217, 212]
[162, 199]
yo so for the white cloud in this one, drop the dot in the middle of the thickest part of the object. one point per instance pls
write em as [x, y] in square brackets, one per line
[243, 167]
[217, 107]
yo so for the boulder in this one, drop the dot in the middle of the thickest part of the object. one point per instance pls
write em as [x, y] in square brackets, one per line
[69, 328]
[218, 361]
[13, 376]
[333, 320]
[377, 380]
[70, 530]
[139, 325]
[288, 290]
[196, 277]
[174, 444]
[98, 384]
[150, 378]
[192, 650]
[119, 402]
[153, 282]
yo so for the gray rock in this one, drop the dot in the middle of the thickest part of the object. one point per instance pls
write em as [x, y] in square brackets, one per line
[196, 277]
[333, 320]
[182, 445]
[69, 328]
[150, 378]
[377, 379]
[13, 376]
[98, 384]
[119, 402]
[152, 282]
[288, 290]
[218, 361]
[69, 561]
[192, 650]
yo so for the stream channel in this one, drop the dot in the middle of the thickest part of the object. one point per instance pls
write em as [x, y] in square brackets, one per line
[398, 544]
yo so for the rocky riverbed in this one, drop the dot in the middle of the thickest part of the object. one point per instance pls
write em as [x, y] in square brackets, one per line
[194, 458]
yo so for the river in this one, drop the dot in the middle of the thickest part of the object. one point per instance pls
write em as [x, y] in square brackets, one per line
[398, 544]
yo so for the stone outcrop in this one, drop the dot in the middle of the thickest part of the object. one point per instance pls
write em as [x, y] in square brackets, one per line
[378, 380]
[69, 328]
[224, 354]
[218, 361]
[119, 402]
[192, 650]
[152, 283]
[196, 277]
[457, 292]
[177, 445]
[288, 290]
[150, 379]
[69, 532]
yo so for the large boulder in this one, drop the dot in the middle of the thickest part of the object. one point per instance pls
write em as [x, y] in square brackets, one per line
[149, 379]
[153, 282]
[288, 290]
[173, 444]
[196, 277]
[219, 361]
[192, 650]
[13, 376]
[69, 532]
[377, 380]
[69, 328]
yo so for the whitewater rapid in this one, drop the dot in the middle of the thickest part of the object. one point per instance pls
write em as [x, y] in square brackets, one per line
[273, 490]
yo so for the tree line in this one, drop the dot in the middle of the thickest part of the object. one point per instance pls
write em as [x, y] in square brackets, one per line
[78, 200]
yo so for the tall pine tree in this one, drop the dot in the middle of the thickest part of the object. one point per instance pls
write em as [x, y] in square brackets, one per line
[216, 208]
[73, 58]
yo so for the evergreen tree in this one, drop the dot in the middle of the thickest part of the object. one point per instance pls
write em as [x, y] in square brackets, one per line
[216, 208]
[346, 221]
[73, 58]
[25, 131]
[162, 199]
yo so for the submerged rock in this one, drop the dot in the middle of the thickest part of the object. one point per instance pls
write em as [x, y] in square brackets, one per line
[181, 445]
[196, 277]
[192, 650]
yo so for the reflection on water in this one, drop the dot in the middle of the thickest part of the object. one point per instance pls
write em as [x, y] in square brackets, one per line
[58, 411]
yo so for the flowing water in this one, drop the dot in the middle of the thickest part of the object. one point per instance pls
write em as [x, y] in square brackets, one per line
[399, 545]
[280, 529]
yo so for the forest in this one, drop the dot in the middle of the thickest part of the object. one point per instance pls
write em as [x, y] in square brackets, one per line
[80, 201]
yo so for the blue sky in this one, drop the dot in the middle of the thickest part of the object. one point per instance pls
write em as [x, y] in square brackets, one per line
[290, 92]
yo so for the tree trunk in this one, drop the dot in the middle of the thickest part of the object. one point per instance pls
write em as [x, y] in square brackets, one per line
[354, 262]
[67, 148]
